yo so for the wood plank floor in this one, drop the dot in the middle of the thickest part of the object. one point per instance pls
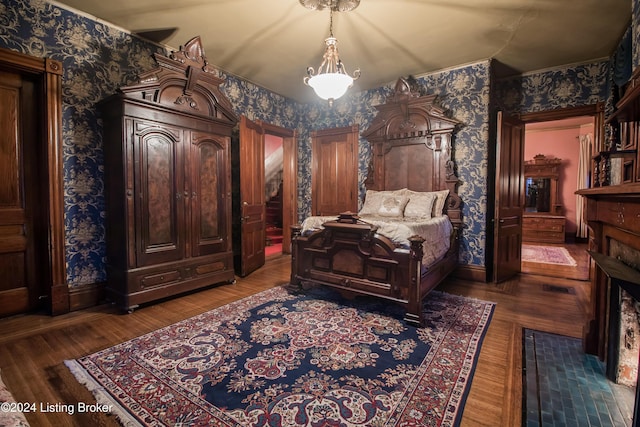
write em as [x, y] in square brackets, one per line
[33, 347]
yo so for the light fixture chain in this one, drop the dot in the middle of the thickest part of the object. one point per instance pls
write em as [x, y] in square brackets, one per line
[331, 22]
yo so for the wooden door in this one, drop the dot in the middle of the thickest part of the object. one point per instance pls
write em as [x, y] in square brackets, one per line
[509, 198]
[160, 193]
[22, 221]
[289, 190]
[209, 194]
[252, 198]
[334, 175]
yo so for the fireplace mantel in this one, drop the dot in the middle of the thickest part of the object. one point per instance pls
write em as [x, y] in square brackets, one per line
[612, 212]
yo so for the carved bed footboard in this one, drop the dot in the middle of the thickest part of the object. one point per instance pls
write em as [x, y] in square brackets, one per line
[350, 257]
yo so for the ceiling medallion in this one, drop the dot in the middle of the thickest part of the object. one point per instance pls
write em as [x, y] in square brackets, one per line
[335, 5]
[331, 80]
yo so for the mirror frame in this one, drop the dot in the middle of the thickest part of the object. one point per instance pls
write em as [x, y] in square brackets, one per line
[542, 167]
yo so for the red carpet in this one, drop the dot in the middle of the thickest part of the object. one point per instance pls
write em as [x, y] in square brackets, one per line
[547, 255]
[273, 249]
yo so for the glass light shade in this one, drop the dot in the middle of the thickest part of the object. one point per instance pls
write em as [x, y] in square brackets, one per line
[330, 85]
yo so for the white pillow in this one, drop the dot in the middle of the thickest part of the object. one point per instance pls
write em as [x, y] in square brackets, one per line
[420, 205]
[392, 206]
[438, 206]
[373, 200]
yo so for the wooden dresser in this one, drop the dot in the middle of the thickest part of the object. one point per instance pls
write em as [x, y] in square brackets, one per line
[543, 228]
[168, 181]
[542, 221]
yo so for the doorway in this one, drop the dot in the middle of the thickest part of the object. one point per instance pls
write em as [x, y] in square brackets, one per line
[273, 172]
[255, 144]
[31, 199]
[564, 135]
[286, 195]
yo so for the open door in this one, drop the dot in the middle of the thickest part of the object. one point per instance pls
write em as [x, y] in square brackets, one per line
[251, 197]
[289, 180]
[509, 198]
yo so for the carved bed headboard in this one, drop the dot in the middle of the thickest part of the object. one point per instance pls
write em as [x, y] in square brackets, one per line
[411, 139]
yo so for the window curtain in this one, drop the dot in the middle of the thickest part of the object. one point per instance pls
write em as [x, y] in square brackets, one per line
[584, 165]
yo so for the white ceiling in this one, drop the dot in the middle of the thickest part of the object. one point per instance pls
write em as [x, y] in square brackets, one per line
[272, 42]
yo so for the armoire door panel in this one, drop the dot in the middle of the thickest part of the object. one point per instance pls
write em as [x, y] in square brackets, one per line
[208, 193]
[167, 162]
[161, 195]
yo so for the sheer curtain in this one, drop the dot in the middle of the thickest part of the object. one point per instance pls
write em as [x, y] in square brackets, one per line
[584, 165]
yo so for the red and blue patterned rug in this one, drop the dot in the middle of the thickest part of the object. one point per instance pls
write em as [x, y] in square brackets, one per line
[281, 358]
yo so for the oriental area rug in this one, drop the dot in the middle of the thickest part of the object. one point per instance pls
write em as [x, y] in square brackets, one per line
[547, 255]
[287, 358]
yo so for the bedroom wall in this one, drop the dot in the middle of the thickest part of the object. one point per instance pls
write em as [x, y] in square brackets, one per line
[562, 143]
[98, 58]
[464, 93]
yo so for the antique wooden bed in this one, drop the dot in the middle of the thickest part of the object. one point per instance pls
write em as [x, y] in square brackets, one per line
[411, 140]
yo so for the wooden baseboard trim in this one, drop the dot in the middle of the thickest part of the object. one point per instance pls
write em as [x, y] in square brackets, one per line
[86, 296]
[59, 299]
[513, 391]
[474, 273]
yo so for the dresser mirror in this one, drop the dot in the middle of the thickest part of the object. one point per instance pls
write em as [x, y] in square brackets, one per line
[542, 221]
[538, 195]
[541, 185]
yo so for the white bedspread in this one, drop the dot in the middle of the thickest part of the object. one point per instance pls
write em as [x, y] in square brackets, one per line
[436, 232]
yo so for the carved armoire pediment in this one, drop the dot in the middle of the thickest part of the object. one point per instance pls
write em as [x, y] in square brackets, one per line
[184, 81]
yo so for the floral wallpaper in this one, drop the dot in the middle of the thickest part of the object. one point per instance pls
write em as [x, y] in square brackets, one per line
[557, 88]
[98, 58]
[464, 93]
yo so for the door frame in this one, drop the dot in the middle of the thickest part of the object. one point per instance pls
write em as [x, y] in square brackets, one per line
[595, 110]
[290, 179]
[48, 74]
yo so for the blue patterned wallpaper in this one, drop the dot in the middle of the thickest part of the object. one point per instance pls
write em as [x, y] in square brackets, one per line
[98, 58]
[552, 89]
[464, 93]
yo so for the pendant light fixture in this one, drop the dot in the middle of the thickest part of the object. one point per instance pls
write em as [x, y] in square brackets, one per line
[331, 80]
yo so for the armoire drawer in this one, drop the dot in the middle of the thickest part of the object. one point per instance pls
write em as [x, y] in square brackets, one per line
[158, 279]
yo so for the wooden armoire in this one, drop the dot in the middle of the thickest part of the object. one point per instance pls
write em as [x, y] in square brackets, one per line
[168, 181]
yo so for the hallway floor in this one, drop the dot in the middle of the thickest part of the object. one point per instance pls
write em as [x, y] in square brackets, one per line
[580, 272]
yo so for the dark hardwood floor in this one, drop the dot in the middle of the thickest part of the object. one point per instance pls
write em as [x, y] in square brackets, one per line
[34, 347]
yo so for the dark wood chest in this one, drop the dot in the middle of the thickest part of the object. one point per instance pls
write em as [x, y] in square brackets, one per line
[168, 184]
